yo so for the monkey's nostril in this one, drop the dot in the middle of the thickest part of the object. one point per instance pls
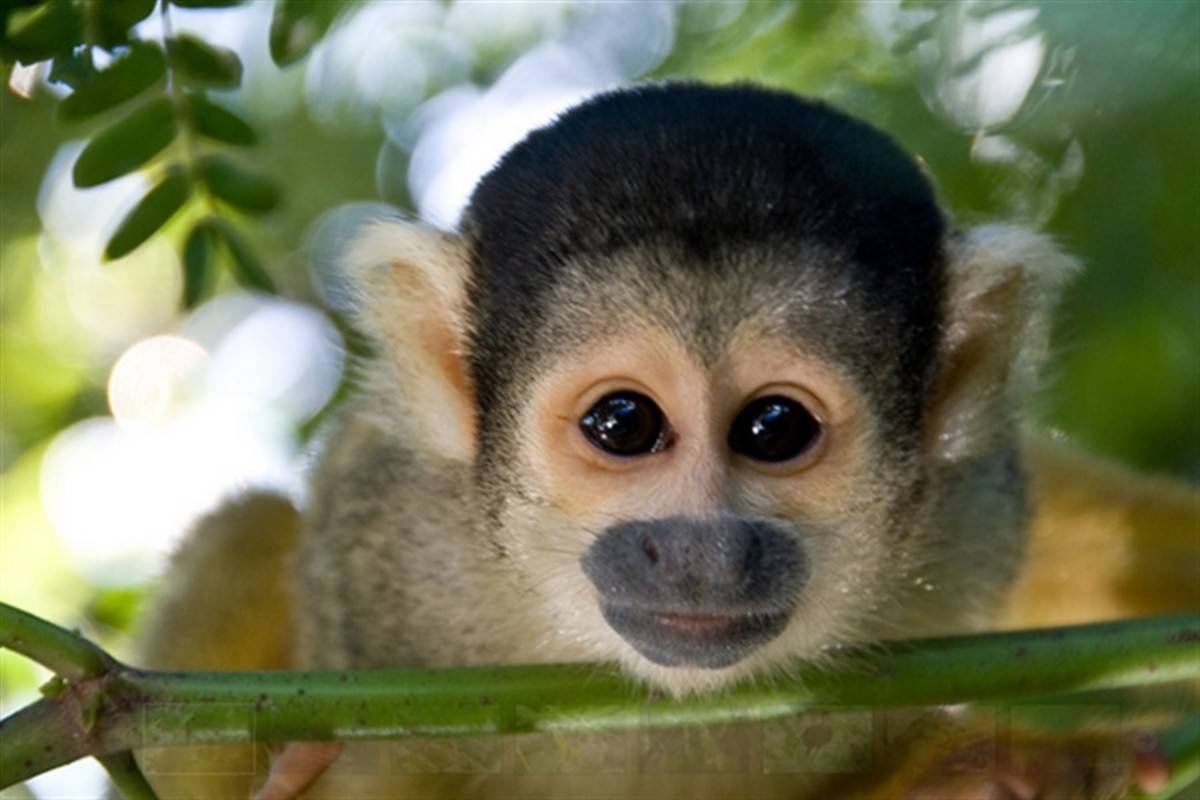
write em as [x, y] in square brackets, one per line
[650, 550]
[754, 555]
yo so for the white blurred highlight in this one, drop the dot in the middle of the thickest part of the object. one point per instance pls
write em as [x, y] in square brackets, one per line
[196, 418]
[980, 64]
[149, 380]
[460, 134]
[84, 215]
[382, 58]
[1009, 59]
[22, 80]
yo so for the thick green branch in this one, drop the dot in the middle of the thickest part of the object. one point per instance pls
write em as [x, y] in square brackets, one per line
[129, 708]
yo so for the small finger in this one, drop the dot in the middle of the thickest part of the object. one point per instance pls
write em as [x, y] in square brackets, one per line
[297, 768]
[1151, 769]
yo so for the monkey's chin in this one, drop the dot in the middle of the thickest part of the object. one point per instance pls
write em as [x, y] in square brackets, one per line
[705, 640]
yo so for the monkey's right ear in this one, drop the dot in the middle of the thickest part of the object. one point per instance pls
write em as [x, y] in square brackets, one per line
[410, 286]
[1003, 282]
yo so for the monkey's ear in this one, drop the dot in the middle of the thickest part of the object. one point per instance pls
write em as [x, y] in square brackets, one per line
[1002, 285]
[410, 287]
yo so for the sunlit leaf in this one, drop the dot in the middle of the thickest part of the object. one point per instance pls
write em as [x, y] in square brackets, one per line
[43, 31]
[197, 262]
[236, 185]
[199, 62]
[218, 122]
[114, 18]
[126, 78]
[149, 215]
[116, 606]
[296, 26]
[127, 145]
[246, 266]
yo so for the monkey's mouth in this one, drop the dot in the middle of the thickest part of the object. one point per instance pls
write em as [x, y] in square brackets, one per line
[710, 640]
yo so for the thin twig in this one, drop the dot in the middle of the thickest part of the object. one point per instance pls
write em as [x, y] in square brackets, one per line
[59, 650]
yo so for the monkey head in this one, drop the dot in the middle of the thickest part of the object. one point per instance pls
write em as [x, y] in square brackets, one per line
[732, 387]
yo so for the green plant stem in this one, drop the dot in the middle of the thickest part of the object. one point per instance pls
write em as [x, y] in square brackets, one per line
[67, 655]
[127, 776]
[129, 708]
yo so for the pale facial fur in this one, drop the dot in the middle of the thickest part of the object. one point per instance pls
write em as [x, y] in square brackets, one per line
[573, 491]
[890, 539]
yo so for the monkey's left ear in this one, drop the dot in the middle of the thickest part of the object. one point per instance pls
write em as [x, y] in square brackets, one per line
[410, 284]
[1003, 283]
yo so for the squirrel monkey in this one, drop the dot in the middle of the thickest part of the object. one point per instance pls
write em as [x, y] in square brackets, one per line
[706, 383]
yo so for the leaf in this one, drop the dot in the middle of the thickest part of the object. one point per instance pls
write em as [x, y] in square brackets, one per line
[246, 266]
[236, 185]
[73, 68]
[128, 144]
[296, 26]
[126, 78]
[150, 214]
[197, 261]
[116, 606]
[219, 123]
[208, 3]
[200, 63]
[43, 32]
[114, 18]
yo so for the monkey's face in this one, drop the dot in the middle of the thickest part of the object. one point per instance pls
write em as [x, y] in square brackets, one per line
[731, 390]
[701, 515]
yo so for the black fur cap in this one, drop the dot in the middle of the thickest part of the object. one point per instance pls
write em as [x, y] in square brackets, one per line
[705, 169]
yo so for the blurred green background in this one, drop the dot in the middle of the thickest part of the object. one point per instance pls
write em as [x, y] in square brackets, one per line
[123, 413]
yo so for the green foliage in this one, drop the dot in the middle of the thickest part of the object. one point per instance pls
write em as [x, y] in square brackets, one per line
[237, 185]
[202, 64]
[112, 19]
[158, 206]
[127, 145]
[55, 28]
[219, 123]
[115, 607]
[246, 265]
[43, 32]
[141, 67]
[297, 25]
[70, 32]
[197, 262]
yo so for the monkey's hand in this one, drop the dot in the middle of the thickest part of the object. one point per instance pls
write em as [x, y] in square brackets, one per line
[1084, 767]
[297, 768]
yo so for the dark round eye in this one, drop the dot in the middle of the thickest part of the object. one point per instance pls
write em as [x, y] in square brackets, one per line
[773, 428]
[624, 424]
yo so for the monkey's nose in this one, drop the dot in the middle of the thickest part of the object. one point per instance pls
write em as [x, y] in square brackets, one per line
[696, 592]
[680, 563]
